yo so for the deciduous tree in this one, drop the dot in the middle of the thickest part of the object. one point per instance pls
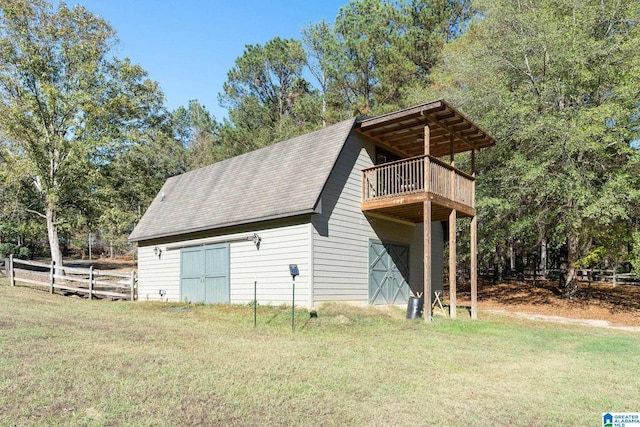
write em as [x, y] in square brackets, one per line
[557, 83]
[65, 105]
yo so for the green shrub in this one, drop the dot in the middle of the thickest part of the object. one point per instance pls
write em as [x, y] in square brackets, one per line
[23, 252]
[7, 249]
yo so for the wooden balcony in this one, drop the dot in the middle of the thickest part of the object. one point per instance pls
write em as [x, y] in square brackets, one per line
[398, 189]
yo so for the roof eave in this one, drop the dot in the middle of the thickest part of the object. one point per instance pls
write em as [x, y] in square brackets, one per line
[221, 226]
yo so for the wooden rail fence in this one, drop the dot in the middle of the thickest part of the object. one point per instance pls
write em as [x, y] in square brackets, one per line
[81, 280]
[587, 275]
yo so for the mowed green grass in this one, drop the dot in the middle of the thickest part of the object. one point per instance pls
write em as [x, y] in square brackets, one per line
[67, 361]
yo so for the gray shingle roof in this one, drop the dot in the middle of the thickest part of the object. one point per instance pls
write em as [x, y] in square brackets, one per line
[280, 180]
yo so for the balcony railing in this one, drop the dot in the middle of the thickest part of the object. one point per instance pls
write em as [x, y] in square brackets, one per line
[407, 176]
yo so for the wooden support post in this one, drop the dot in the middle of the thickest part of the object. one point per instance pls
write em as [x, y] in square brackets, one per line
[427, 160]
[133, 285]
[473, 163]
[452, 265]
[427, 140]
[426, 215]
[451, 151]
[12, 274]
[52, 278]
[453, 304]
[474, 268]
[91, 282]
[474, 243]
[427, 260]
[473, 183]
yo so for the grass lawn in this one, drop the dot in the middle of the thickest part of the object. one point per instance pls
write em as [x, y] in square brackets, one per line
[67, 361]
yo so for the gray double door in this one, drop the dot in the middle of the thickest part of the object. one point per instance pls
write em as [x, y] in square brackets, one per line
[388, 273]
[204, 274]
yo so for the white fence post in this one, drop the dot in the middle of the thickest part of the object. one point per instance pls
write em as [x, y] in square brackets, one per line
[133, 284]
[12, 277]
[91, 282]
[52, 274]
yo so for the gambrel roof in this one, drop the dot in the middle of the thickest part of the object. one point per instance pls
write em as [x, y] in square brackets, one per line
[281, 180]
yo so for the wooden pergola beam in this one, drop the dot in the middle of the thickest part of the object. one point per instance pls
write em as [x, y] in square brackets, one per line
[442, 118]
[453, 132]
[402, 115]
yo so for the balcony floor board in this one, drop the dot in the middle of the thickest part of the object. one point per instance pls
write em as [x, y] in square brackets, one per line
[408, 207]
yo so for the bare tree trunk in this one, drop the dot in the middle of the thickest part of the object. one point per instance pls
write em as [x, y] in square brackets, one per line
[543, 258]
[54, 241]
[497, 270]
[571, 281]
[512, 257]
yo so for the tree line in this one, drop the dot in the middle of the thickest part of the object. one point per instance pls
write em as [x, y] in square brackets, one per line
[86, 140]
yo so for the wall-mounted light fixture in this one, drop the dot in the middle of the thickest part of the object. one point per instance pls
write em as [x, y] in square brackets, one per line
[256, 240]
[157, 251]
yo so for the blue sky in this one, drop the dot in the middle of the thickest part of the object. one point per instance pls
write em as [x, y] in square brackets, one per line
[189, 46]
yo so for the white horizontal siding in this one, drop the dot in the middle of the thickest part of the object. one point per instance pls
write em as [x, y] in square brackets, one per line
[342, 233]
[416, 258]
[341, 239]
[158, 273]
[269, 266]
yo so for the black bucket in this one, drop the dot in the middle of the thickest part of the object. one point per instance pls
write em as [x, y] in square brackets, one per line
[414, 308]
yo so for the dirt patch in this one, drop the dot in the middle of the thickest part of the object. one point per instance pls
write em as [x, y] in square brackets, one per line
[618, 306]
